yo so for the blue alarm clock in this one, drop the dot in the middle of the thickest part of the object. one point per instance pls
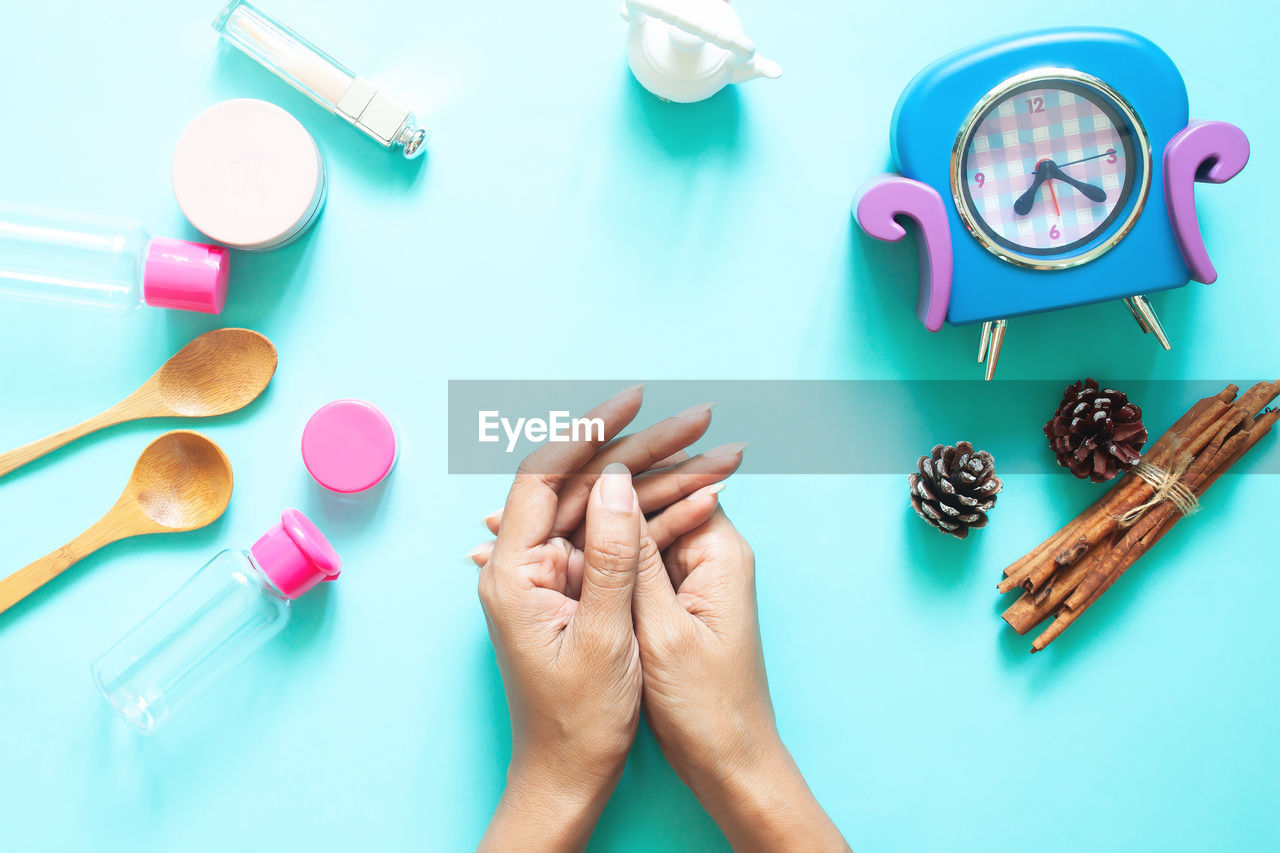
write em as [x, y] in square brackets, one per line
[1047, 170]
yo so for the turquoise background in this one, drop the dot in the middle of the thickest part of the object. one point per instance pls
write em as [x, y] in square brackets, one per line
[567, 225]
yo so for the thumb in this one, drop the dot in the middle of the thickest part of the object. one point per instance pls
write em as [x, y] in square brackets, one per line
[656, 606]
[612, 549]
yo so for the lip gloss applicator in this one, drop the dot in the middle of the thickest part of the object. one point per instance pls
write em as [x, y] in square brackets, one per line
[320, 77]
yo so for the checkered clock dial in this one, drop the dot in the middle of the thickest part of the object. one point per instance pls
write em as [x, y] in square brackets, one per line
[1088, 143]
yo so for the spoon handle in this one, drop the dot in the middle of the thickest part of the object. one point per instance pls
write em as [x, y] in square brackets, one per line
[27, 580]
[18, 457]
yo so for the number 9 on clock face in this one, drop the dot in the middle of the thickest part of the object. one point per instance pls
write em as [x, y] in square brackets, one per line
[1051, 169]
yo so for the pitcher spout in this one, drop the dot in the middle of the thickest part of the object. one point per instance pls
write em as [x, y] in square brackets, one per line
[756, 66]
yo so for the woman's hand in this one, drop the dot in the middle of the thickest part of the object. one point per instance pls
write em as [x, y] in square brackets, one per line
[706, 695]
[571, 668]
[561, 623]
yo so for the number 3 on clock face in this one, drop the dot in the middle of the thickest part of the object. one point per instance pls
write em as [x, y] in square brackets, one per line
[1051, 169]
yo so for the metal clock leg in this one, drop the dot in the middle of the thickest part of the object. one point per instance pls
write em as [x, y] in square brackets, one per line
[993, 348]
[1133, 309]
[1147, 318]
[984, 342]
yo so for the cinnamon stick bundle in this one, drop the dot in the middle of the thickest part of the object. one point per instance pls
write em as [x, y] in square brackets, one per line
[1064, 575]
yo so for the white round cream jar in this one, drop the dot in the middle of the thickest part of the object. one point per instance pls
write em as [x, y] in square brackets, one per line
[248, 175]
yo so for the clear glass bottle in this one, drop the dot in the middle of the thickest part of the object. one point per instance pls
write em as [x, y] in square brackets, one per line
[110, 264]
[320, 77]
[227, 610]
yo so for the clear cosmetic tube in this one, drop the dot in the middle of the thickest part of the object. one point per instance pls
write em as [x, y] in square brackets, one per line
[111, 264]
[320, 77]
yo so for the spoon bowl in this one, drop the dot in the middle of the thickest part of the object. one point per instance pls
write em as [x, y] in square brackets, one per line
[217, 373]
[182, 481]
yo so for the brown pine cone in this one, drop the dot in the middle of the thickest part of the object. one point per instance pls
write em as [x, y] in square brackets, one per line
[954, 488]
[1097, 433]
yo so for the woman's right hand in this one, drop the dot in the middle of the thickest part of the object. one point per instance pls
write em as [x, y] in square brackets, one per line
[706, 695]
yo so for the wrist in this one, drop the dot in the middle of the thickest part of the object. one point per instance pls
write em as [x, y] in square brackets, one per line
[723, 760]
[764, 803]
[547, 805]
[743, 781]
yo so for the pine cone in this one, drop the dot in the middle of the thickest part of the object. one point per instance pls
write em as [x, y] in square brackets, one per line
[955, 487]
[1097, 433]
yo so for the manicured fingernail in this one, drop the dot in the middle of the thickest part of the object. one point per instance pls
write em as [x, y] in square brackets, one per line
[727, 450]
[700, 409]
[707, 491]
[625, 391]
[480, 554]
[493, 518]
[615, 488]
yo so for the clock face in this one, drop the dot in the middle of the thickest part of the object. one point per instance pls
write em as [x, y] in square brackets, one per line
[1051, 170]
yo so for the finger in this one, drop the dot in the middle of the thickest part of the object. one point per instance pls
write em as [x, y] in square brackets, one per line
[612, 551]
[663, 491]
[658, 490]
[656, 608]
[530, 510]
[716, 542]
[664, 529]
[679, 564]
[674, 459]
[667, 488]
[573, 573]
[550, 568]
[481, 554]
[684, 515]
[568, 579]
[638, 451]
[668, 481]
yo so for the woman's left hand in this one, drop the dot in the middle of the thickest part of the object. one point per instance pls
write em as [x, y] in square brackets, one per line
[570, 662]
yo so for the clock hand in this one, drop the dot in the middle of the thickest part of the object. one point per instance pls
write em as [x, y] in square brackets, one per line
[1054, 195]
[1106, 153]
[1024, 202]
[1089, 191]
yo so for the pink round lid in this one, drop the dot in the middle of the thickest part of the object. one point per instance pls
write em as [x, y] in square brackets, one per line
[295, 555]
[348, 446]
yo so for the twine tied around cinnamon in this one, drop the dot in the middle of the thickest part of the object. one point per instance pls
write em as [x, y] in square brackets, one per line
[1168, 486]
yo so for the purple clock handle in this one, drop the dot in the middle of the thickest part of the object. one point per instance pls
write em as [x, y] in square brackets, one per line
[1210, 151]
[877, 207]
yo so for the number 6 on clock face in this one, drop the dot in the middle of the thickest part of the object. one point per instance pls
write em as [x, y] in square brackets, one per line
[1051, 169]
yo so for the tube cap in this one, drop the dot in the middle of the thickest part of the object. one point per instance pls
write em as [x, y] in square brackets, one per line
[295, 555]
[184, 275]
[348, 446]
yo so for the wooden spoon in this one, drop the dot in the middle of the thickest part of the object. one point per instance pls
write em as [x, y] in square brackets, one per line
[217, 373]
[182, 481]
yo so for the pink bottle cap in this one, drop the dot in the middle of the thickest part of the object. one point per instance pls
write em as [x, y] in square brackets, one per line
[189, 276]
[295, 555]
[348, 446]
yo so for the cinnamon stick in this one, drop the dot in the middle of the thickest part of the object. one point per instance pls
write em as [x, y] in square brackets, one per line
[1191, 438]
[1031, 609]
[1111, 566]
[1138, 544]
[1098, 520]
[1069, 571]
